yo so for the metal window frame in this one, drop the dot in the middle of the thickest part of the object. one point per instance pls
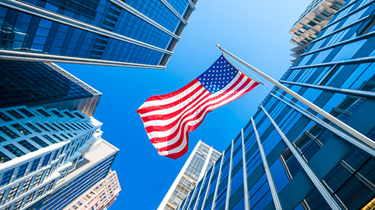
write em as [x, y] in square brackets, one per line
[218, 181]
[314, 179]
[358, 93]
[337, 132]
[275, 196]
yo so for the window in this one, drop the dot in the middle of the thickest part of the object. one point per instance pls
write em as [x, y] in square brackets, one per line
[4, 158]
[55, 155]
[26, 112]
[57, 137]
[48, 171]
[28, 146]
[39, 141]
[336, 6]
[315, 201]
[57, 113]
[4, 117]
[40, 192]
[327, 13]
[306, 27]
[48, 125]
[37, 180]
[8, 132]
[2, 195]
[70, 126]
[12, 193]
[352, 180]
[26, 185]
[319, 19]
[21, 170]
[33, 127]
[15, 114]
[41, 111]
[45, 160]
[290, 163]
[49, 139]
[44, 128]
[2, 139]
[311, 23]
[70, 115]
[6, 177]
[367, 26]
[66, 128]
[79, 115]
[14, 150]
[57, 126]
[30, 198]
[8, 207]
[34, 165]
[50, 185]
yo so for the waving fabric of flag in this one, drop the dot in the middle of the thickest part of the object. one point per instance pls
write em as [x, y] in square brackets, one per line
[168, 118]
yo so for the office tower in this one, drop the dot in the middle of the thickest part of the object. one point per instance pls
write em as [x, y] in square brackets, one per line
[310, 24]
[291, 158]
[132, 33]
[100, 196]
[38, 148]
[200, 160]
[44, 84]
[94, 167]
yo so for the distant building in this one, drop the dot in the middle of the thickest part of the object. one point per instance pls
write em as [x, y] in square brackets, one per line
[310, 24]
[100, 196]
[291, 158]
[44, 84]
[38, 148]
[45, 134]
[131, 33]
[200, 160]
[94, 167]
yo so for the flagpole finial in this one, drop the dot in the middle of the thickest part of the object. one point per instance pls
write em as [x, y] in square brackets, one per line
[218, 46]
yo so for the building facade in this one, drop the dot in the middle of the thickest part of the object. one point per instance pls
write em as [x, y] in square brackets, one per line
[34, 84]
[132, 33]
[310, 24]
[200, 160]
[100, 196]
[38, 149]
[287, 156]
[95, 166]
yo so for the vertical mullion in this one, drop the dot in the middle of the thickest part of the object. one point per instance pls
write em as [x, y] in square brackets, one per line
[245, 188]
[229, 177]
[218, 181]
[275, 196]
[326, 195]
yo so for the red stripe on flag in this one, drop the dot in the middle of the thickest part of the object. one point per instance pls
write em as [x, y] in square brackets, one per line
[207, 108]
[172, 104]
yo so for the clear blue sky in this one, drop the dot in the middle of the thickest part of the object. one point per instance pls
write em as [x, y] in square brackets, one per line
[256, 31]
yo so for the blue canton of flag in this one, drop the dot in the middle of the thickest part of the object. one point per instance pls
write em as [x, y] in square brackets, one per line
[220, 74]
[168, 118]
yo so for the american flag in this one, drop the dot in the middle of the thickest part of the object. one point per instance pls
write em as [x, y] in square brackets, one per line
[168, 118]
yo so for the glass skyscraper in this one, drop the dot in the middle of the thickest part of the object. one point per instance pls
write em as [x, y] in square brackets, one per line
[44, 84]
[93, 169]
[310, 24]
[38, 149]
[46, 133]
[200, 160]
[132, 33]
[287, 156]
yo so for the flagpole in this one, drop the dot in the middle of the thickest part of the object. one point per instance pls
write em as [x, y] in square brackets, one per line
[325, 114]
